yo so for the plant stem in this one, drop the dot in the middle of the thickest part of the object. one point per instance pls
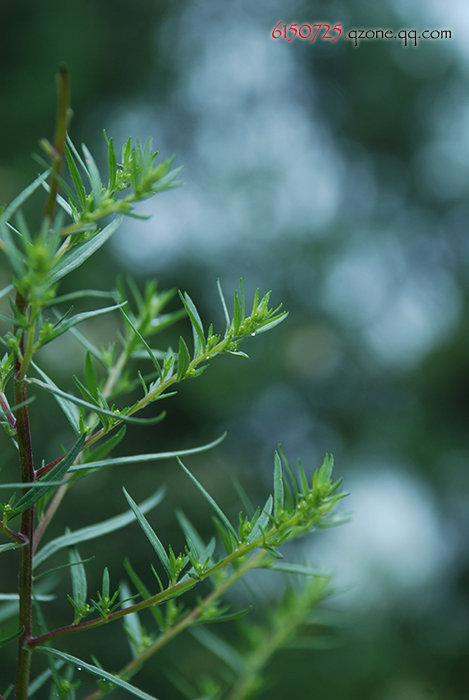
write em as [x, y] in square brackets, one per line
[17, 536]
[7, 411]
[247, 683]
[172, 591]
[48, 515]
[28, 474]
[112, 379]
[129, 670]
[277, 532]
[63, 113]
[27, 521]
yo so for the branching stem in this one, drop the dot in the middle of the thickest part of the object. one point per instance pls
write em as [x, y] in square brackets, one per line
[22, 360]
[129, 670]
[171, 592]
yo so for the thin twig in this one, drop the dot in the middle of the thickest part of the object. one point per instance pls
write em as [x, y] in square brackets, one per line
[63, 117]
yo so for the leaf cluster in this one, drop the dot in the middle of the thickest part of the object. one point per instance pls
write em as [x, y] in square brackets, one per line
[117, 383]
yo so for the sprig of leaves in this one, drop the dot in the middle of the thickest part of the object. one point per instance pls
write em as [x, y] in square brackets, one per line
[76, 224]
[92, 199]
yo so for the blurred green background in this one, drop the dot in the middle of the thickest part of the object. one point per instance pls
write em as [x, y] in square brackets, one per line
[337, 177]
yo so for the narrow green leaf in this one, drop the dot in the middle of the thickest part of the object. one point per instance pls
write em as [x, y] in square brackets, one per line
[144, 592]
[241, 295]
[272, 551]
[279, 493]
[143, 383]
[37, 577]
[168, 181]
[183, 359]
[76, 177]
[64, 325]
[91, 532]
[149, 532]
[12, 636]
[212, 502]
[30, 484]
[33, 495]
[255, 302]
[151, 457]
[16, 406]
[44, 597]
[87, 395]
[68, 207]
[208, 551]
[80, 294]
[83, 340]
[15, 258]
[290, 474]
[237, 316]
[23, 196]
[225, 309]
[78, 574]
[112, 164]
[163, 321]
[77, 157]
[197, 327]
[303, 479]
[126, 150]
[144, 343]
[10, 545]
[44, 677]
[138, 298]
[8, 319]
[226, 617]
[244, 498]
[96, 671]
[289, 501]
[195, 541]
[23, 227]
[136, 580]
[90, 377]
[325, 470]
[92, 407]
[39, 681]
[238, 353]
[106, 583]
[271, 324]
[262, 521]
[131, 622]
[8, 691]
[95, 177]
[300, 569]
[220, 648]
[8, 610]
[6, 290]
[83, 251]
[105, 448]
[225, 535]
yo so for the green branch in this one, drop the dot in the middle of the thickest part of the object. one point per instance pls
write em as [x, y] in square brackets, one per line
[168, 635]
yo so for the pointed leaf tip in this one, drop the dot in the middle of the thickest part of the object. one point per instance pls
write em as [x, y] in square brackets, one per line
[149, 532]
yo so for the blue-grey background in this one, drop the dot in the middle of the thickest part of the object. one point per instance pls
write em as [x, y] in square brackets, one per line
[337, 177]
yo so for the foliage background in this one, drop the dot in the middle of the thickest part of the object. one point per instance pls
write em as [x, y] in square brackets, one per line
[337, 177]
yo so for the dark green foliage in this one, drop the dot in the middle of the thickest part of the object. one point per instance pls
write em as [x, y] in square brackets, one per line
[112, 390]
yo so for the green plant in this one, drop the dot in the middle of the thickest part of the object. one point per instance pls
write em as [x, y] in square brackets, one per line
[70, 231]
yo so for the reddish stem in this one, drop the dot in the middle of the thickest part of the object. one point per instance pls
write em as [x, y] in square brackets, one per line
[47, 467]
